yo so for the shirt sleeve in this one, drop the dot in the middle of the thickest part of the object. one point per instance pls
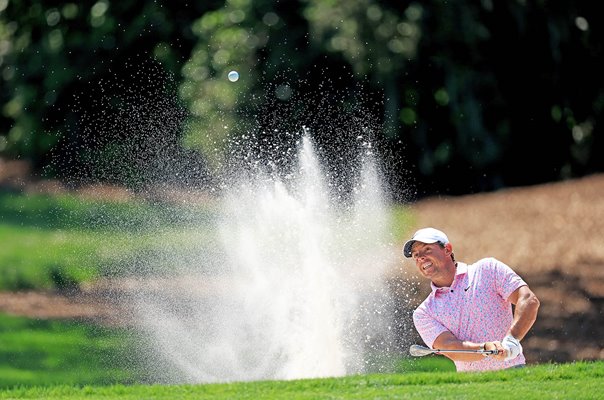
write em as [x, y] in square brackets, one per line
[427, 327]
[507, 280]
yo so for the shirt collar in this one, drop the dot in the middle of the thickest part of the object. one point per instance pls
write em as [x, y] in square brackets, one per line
[461, 268]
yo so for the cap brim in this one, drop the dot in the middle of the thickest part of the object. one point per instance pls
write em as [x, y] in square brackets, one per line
[409, 245]
[407, 248]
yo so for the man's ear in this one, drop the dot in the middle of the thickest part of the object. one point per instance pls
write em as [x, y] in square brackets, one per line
[449, 248]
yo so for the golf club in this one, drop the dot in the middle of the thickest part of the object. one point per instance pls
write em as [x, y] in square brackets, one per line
[420, 351]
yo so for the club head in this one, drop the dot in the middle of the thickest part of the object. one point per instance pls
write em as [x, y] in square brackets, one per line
[419, 351]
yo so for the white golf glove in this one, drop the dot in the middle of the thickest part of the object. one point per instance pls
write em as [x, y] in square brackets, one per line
[512, 347]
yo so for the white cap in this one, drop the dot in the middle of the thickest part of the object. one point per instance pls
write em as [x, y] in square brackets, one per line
[425, 235]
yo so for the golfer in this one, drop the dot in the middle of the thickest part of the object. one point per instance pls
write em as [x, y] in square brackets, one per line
[470, 306]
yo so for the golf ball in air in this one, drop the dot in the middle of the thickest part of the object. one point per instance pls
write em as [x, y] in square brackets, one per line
[233, 76]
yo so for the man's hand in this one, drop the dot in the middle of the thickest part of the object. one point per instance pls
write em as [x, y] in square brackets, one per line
[501, 353]
[512, 347]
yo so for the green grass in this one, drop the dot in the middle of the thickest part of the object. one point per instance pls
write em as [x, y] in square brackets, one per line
[61, 241]
[566, 381]
[68, 360]
[55, 241]
[50, 352]
[424, 364]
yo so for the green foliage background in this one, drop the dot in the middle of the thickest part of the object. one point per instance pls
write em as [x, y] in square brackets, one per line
[463, 91]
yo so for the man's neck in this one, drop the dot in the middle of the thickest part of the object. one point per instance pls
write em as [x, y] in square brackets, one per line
[447, 280]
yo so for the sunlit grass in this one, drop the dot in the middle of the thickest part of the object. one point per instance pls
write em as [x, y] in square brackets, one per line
[69, 360]
[565, 381]
[49, 241]
[53, 352]
[50, 352]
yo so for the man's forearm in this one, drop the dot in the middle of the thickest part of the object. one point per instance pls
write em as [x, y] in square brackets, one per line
[447, 341]
[525, 313]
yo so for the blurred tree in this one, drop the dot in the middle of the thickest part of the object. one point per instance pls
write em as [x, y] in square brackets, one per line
[68, 68]
[466, 96]
[468, 92]
[499, 89]
[312, 64]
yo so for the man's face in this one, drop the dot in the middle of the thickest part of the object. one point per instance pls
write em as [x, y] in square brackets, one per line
[431, 259]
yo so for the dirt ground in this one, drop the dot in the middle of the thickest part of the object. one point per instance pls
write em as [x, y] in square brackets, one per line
[550, 234]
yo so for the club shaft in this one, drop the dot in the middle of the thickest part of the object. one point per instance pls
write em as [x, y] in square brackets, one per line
[466, 351]
[419, 351]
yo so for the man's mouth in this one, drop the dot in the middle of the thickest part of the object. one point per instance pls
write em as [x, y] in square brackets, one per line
[426, 266]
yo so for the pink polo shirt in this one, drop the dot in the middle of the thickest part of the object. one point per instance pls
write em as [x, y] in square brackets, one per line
[474, 308]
